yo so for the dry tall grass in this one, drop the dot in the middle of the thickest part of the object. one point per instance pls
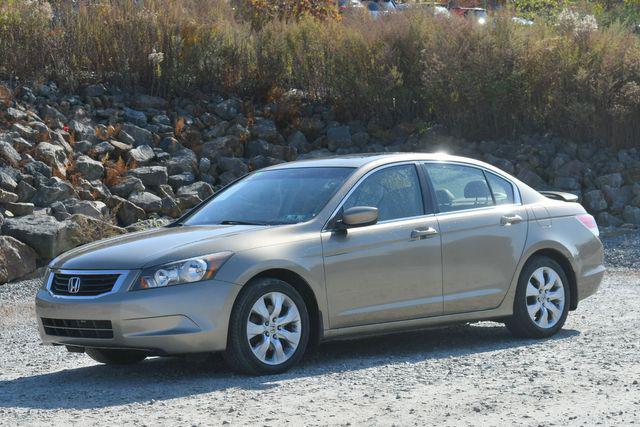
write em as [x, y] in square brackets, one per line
[481, 82]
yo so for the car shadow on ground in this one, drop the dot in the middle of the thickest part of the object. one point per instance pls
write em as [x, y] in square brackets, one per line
[161, 379]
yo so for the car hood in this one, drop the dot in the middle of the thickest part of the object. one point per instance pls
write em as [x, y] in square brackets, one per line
[159, 246]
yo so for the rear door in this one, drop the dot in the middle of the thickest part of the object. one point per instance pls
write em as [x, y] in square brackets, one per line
[483, 227]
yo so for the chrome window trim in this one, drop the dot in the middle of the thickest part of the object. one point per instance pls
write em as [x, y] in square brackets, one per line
[122, 276]
[361, 180]
[484, 208]
[516, 190]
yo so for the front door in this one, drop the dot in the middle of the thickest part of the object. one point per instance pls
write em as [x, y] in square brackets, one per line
[391, 270]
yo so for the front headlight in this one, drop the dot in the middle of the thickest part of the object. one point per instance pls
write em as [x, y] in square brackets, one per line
[181, 272]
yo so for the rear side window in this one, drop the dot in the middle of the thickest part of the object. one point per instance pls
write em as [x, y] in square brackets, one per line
[501, 188]
[394, 190]
[459, 187]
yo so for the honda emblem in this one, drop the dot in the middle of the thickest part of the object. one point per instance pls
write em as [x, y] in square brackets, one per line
[73, 286]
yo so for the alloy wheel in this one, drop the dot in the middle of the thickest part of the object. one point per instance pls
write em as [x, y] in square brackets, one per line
[545, 297]
[274, 328]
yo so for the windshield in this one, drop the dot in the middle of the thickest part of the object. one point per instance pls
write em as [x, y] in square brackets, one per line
[280, 196]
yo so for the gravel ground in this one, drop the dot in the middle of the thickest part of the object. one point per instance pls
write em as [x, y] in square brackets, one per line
[467, 375]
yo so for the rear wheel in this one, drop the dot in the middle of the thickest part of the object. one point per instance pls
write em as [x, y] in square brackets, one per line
[268, 329]
[542, 299]
[115, 357]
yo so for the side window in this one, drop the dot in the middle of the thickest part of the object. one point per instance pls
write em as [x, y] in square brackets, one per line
[394, 190]
[501, 188]
[459, 187]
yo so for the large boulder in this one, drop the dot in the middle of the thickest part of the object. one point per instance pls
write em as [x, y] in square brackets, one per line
[566, 183]
[200, 189]
[149, 202]
[95, 90]
[37, 167]
[43, 233]
[148, 102]
[228, 146]
[259, 162]
[151, 175]
[298, 141]
[52, 155]
[614, 180]
[25, 131]
[141, 155]
[135, 116]
[631, 215]
[95, 229]
[56, 190]
[182, 179]
[89, 168]
[233, 165]
[594, 201]
[16, 259]
[94, 209]
[218, 130]
[83, 129]
[532, 179]
[170, 145]
[617, 197]
[9, 154]
[7, 182]
[128, 213]
[127, 185]
[25, 191]
[338, 137]
[228, 109]
[261, 147]
[266, 129]
[139, 135]
[7, 196]
[184, 160]
[18, 209]
[170, 207]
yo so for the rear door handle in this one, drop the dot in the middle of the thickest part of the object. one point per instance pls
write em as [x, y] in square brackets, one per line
[510, 219]
[423, 233]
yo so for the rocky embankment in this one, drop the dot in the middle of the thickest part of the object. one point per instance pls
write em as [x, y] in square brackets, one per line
[78, 167]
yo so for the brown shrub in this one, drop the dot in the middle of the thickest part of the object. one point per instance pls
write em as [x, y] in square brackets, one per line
[487, 81]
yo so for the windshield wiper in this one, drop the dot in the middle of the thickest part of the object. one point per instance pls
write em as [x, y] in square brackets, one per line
[230, 222]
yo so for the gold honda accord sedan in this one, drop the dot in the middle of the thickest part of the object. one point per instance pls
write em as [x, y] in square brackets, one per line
[314, 250]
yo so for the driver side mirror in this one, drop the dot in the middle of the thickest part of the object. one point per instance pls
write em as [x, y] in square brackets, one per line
[359, 216]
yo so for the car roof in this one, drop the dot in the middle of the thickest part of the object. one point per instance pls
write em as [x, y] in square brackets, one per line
[373, 159]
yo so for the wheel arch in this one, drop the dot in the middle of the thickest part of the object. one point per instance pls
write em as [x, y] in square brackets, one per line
[566, 265]
[306, 292]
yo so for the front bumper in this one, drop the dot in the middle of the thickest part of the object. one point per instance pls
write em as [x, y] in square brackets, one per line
[179, 319]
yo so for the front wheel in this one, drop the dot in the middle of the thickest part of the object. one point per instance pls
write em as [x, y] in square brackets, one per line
[268, 329]
[115, 357]
[542, 299]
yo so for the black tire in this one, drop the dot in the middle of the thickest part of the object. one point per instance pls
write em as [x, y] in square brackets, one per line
[520, 323]
[238, 354]
[115, 357]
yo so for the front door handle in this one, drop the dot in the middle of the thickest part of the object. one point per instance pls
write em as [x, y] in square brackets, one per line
[423, 233]
[510, 219]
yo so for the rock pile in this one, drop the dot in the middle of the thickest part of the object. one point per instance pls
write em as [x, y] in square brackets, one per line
[110, 162]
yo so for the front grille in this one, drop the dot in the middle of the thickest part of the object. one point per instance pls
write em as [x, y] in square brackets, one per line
[78, 328]
[90, 284]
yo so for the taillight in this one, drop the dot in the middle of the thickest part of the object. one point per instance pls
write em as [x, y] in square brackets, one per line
[589, 222]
